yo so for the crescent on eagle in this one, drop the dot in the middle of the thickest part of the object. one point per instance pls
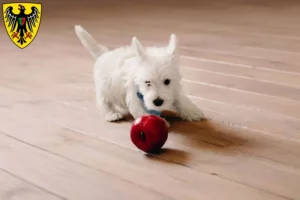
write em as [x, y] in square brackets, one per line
[20, 22]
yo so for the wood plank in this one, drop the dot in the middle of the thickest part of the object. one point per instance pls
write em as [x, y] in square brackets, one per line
[206, 91]
[241, 19]
[250, 73]
[206, 41]
[190, 55]
[215, 57]
[182, 182]
[211, 148]
[13, 187]
[228, 114]
[64, 177]
[247, 99]
[247, 118]
[206, 46]
[244, 115]
[261, 62]
[245, 85]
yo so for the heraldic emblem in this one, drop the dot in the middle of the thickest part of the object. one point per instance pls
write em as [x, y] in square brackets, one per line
[22, 22]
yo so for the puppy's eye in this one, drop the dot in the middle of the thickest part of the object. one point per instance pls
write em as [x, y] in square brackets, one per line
[148, 83]
[167, 81]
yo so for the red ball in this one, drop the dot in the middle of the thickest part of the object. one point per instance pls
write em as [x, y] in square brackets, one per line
[149, 133]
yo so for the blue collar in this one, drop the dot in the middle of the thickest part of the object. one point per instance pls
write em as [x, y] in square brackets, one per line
[141, 97]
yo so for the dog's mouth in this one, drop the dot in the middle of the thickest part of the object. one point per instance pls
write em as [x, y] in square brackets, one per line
[154, 107]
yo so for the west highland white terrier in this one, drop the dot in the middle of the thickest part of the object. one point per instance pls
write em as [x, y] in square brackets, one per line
[137, 80]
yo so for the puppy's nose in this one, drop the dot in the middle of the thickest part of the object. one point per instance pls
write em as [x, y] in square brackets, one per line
[158, 102]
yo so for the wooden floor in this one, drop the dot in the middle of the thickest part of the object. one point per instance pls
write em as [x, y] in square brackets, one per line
[240, 62]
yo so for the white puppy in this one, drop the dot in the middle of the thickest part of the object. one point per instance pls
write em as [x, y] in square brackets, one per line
[138, 81]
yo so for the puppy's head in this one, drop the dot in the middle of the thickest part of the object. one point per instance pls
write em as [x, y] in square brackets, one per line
[156, 74]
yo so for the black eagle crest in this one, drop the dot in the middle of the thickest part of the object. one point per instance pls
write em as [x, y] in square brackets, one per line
[20, 22]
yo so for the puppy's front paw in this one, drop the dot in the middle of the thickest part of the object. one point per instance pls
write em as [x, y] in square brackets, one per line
[193, 115]
[113, 116]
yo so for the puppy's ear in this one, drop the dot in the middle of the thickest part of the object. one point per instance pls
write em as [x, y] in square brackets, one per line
[173, 45]
[137, 47]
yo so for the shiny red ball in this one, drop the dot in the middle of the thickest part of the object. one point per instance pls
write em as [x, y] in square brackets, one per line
[149, 133]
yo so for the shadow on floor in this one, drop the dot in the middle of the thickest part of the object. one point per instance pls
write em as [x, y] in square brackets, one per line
[208, 134]
[170, 155]
[190, 138]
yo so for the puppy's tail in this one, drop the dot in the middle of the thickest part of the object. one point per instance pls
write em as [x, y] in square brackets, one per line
[89, 42]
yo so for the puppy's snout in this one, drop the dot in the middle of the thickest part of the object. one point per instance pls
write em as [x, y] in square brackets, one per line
[158, 102]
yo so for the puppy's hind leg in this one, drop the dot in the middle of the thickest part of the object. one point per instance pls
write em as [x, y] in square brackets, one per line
[106, 107]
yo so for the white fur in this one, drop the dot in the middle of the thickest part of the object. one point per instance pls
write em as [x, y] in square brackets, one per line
[120, 72]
